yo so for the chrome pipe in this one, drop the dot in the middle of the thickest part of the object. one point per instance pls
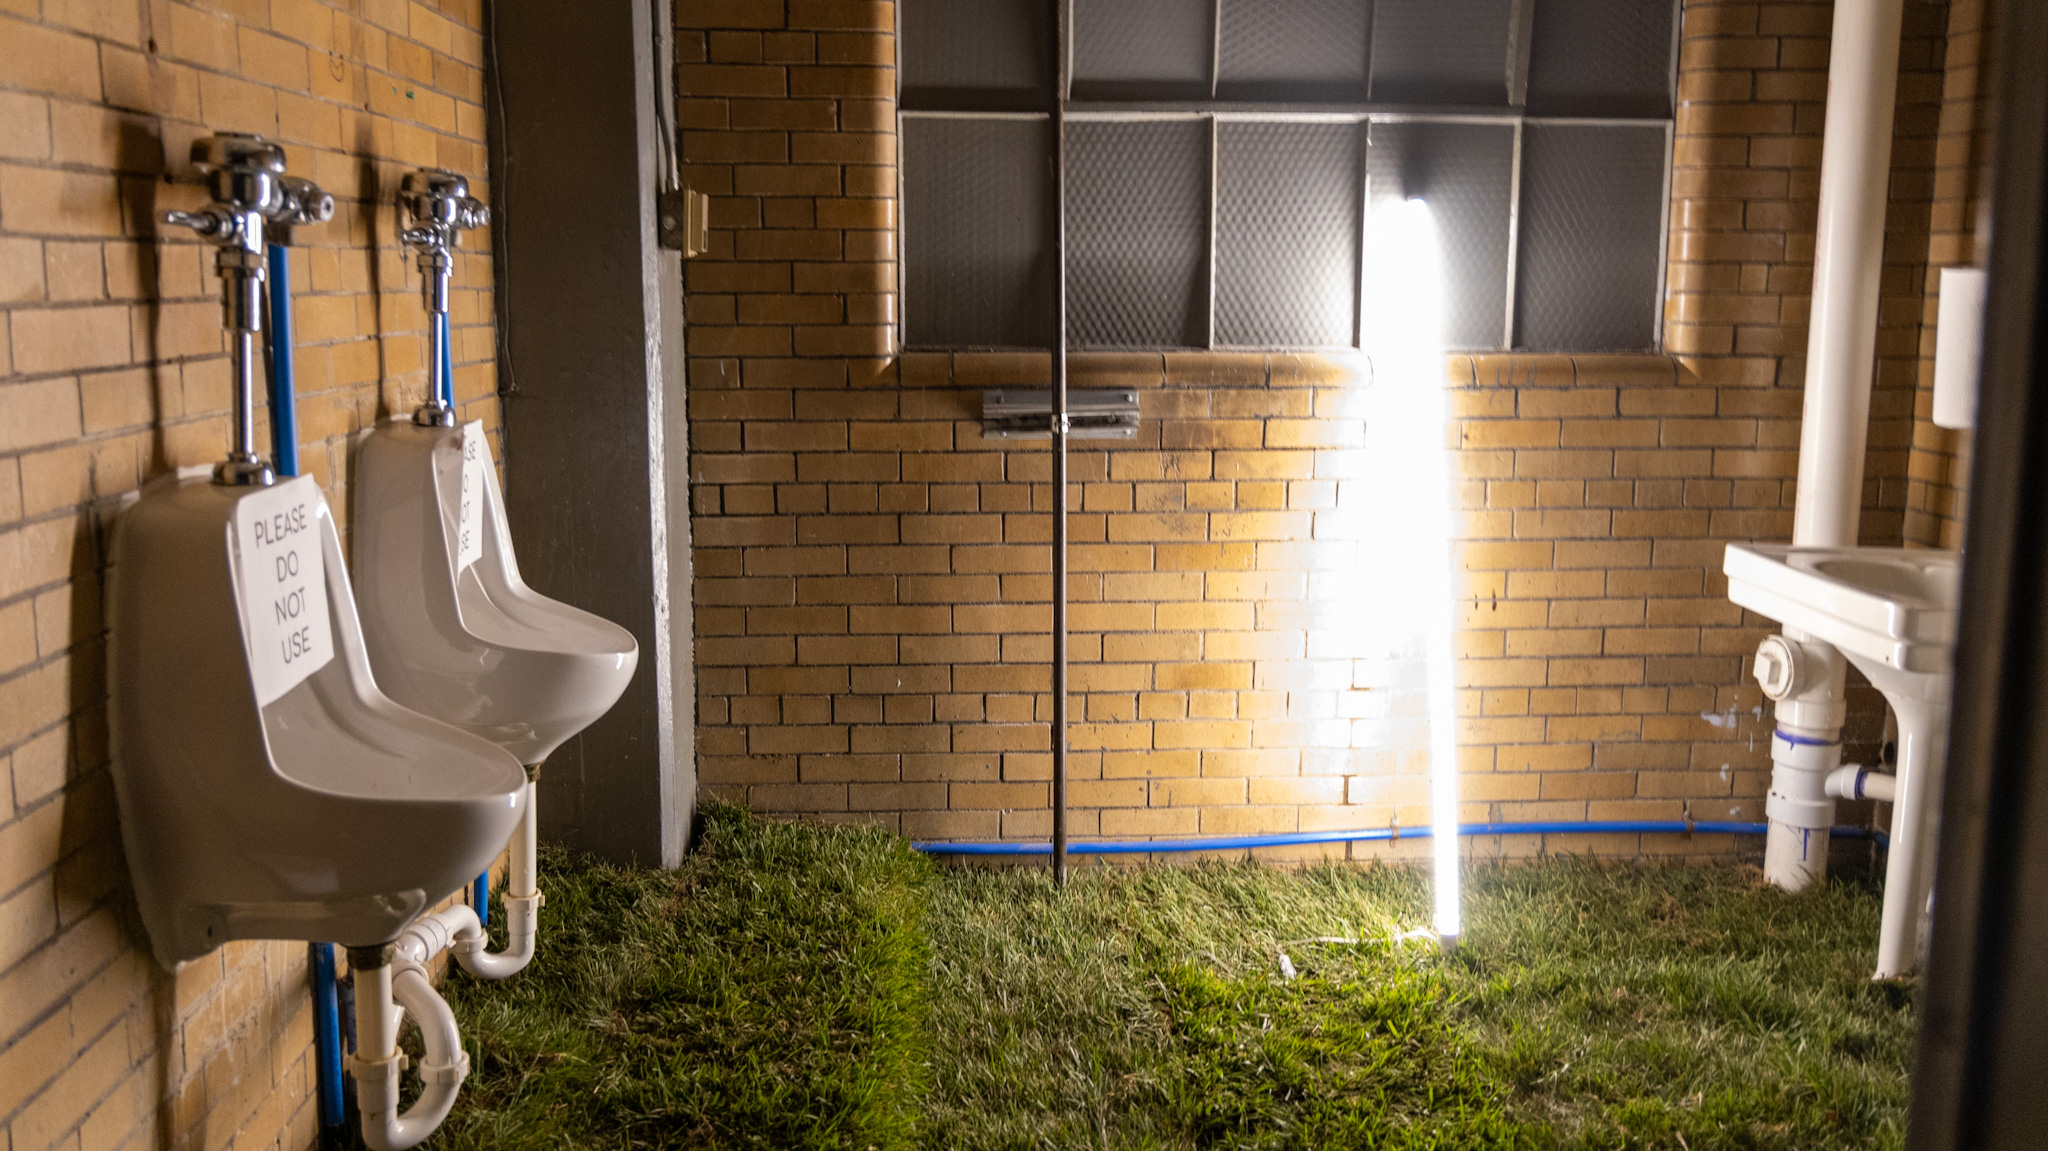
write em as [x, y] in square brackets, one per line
[441, 209]
[245, 175]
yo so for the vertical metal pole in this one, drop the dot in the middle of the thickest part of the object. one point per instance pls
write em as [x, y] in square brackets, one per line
[1209, 316]
[1059, 443]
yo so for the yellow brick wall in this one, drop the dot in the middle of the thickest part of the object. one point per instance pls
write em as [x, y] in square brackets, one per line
[112, 371]
[1939, 473]
[872, 590]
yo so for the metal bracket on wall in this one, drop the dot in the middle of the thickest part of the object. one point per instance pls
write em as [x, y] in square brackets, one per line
[1026, 413]
[686, 222]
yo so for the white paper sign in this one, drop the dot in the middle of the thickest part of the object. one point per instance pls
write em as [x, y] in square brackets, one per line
[469, 512]
[283, 578]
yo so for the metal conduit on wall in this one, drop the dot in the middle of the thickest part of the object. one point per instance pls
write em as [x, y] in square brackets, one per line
[1061, 72]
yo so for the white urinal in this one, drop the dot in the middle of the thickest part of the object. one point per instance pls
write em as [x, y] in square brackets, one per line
[452, 629]
[268, 789]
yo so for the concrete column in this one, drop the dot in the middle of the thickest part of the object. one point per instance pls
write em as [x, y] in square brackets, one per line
[590, 365]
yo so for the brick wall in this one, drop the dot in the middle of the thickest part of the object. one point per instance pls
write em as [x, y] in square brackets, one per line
[872, 589]
[1939, 472]
[1752, 89]
[112, 371]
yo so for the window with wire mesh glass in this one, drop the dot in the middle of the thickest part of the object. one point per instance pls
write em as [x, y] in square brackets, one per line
[1222, 157]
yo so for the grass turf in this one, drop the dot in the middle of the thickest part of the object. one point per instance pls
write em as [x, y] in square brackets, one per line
[774, 992]
[796, 986]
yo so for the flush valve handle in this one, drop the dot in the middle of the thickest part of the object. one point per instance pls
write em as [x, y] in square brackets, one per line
[206, 222]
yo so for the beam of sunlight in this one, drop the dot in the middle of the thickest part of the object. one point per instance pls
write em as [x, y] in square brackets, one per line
[1403, 334]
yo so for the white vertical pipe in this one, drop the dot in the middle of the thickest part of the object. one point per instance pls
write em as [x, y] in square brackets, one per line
[456, 927]
[1841, 340]
[522, 877]
[1841, 353]
[377, 1064]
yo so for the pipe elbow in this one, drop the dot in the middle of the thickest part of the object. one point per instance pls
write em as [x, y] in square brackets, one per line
[442, 1070]
[521, 913]
[1857, 782]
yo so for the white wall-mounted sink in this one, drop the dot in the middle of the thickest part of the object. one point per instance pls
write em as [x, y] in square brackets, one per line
[1894, 606]
[1892, 612]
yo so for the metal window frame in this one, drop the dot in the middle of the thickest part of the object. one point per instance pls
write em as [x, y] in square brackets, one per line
[1216, 112]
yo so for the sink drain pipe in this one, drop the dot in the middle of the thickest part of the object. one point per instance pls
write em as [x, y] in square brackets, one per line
[1373, 834]
[1801, 676]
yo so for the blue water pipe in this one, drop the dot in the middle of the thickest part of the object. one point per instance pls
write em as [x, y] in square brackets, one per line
[1376, 834]
[327, 1035]
[284, 447]
[446, 385]
[284, 403]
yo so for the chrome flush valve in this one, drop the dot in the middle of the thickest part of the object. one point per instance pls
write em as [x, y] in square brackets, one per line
[441, 209]
[245, 174]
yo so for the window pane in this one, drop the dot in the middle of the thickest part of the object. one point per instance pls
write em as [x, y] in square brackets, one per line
[1138, 233]
[1602, 58]
[977, 54]
[977, 272]
[1304, 50]
[1288, 209]
[1465, 173]
[1592, 215]
[1142, 49]
[1441, 51]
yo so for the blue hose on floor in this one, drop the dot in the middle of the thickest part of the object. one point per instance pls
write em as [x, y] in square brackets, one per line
[1379, 834]
[284, 401]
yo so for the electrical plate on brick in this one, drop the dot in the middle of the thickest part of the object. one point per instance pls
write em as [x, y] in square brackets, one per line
[685, 221]
[281, 577]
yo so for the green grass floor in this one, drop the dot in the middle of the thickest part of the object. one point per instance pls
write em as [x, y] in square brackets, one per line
[799, 986]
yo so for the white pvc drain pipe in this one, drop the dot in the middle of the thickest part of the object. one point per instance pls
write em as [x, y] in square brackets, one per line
[1841, 350]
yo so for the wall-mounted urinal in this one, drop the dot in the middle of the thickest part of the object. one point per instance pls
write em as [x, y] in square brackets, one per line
[453, 630]
[268, 789]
